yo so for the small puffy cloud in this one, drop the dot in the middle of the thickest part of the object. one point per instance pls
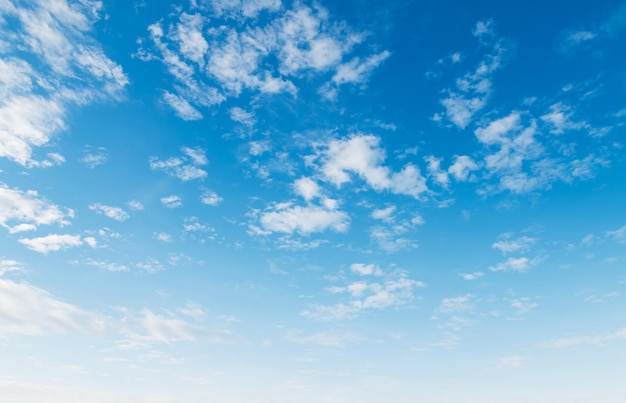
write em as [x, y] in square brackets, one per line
[115, 213]
[435, 172]
[172, 201]
[51, 243]
[521, 244]
[520, 264]
[472, 276]
[135, 205]
[186, 167]
[25, 211]
[289, 219]
[366, 269]
[385, 214]
[162, 236]
[462, 167]
[210, 198]
[307, 188]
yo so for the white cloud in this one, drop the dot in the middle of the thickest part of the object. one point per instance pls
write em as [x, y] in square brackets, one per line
[25, 211]
[366, 269]
[520, 264]
[287, 218]
[213, 59]
[68, 68]
[523, 305]
[581, 340]
[52, 242]
[185, 168]
[163, 329]
[307, 188]
[181, 106]
[105, 265]
[435, 172]
[135, 205]
[328, 339]
[211, 198]
[512, 362]
[150, 265]
[385, 215]
[396, 290]
[172, 201]
[560, 118]
[116, 213]
[27, 310]
[458, 304]
[521, 244]
[389, 239]
[472, 276]
[244, 117]
[162, 236]
[472, 90]
[8, 266]
[94, 158]
[619, 234]
[361, 155]
[462, 167]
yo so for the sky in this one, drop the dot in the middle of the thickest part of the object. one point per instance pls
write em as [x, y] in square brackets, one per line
[298, 201]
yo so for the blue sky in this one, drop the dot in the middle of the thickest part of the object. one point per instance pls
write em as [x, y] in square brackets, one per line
[277, 201]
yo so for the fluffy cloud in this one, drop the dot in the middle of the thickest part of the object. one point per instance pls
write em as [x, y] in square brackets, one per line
[54, 242]
[362, 155]
[24, 211]
[52, 64]
[462, 167]
[212, 58]
[520, 264]
[210, 198]
[521, 244]
[288, 218]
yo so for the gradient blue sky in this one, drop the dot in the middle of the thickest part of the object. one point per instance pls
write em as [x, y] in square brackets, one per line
[277, 201]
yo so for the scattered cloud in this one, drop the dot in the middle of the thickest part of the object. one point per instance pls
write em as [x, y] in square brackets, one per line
[521, 244]
[25, 211]
[619, 234]
[582, 340]
[52, 242]
[304, 220]
[172, 201]
[210, 198]
[520, 264]
[186, 167]
[116, 213]
[94, 157]
[395, 290]
[472, 276]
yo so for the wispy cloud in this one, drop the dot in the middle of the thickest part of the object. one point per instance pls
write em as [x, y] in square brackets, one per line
[53, 64]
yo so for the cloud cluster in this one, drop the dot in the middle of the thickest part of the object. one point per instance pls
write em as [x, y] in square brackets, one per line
[394, 290]
[185, 167]
[211, 60]
[51, 64]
